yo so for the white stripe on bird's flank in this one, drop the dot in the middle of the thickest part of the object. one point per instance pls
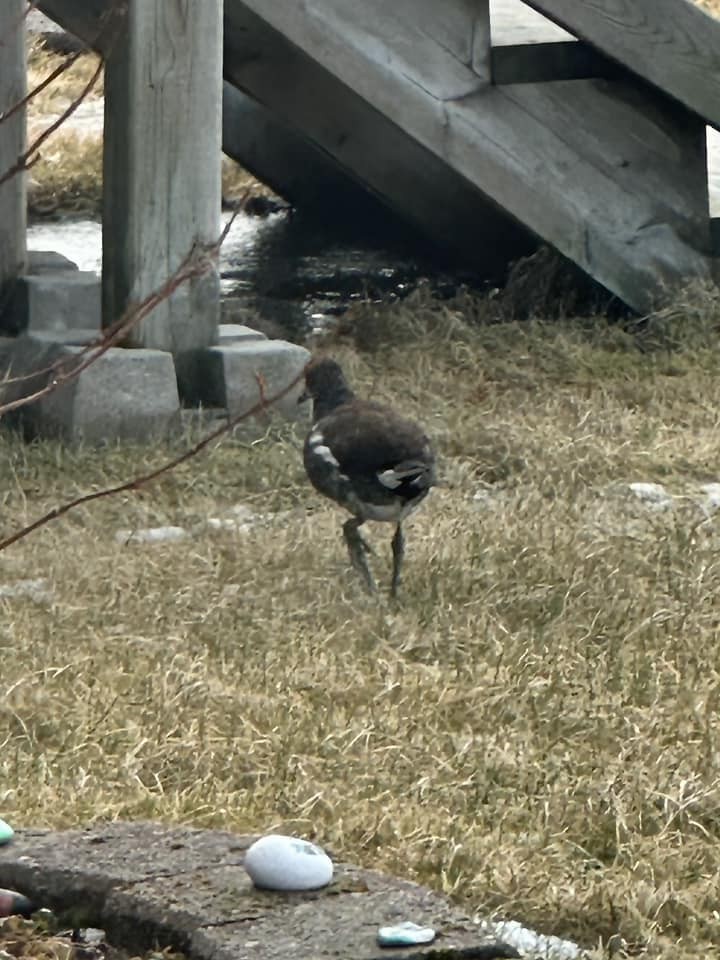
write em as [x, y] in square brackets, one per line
[394, 476]
[318, 445]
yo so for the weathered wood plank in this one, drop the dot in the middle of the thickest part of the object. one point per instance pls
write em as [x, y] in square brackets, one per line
[161, 176]
[481, 53]
[672, 43]
[12, 144]
[411, 180]
[565, 159]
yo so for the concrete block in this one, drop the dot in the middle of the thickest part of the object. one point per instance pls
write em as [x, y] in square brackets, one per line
[54, 300]
[225, 376]
[237, 333]
[48, 261]
[124, 395]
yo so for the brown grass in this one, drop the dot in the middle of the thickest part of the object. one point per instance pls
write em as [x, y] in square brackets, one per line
[67, 180]
[532, 728]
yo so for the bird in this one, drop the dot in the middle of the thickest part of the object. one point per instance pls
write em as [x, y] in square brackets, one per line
[366, 457]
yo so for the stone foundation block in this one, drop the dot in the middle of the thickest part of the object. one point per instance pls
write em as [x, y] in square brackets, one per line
[229, 333]
[54, 300]
[226, 376]
[124, 395]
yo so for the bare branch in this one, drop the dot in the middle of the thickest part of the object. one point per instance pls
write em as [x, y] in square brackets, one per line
[137, 482]
[57, 72]
[22, 161]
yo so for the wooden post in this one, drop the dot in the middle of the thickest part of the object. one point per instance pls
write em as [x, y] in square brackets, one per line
[482, 41]
[161, 166]
[12, 143]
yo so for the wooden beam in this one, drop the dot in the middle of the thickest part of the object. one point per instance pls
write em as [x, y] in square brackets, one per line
[481, 61]
[715, 235]
[414, 182]
[548, 62]
[12, 143]
[671, 43]
[161, 166]
[612, 174]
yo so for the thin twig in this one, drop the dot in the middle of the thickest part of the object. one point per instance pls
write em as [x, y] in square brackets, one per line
[138, 482]
[58, 71]
[22, 161]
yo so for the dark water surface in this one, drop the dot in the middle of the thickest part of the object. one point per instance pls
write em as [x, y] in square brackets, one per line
[294, 273]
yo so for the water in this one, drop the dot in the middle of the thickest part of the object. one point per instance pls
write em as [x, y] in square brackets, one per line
[294, 274]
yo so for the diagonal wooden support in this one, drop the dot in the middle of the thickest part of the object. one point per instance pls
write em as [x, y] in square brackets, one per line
[671, 43]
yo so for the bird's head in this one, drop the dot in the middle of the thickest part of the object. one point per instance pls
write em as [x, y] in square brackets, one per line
[326, 386]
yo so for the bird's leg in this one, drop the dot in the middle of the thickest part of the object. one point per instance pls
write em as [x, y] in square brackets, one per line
[398, 549]
[357, 547]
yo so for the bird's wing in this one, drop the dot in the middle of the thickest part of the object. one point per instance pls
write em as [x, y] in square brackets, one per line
[369, 439]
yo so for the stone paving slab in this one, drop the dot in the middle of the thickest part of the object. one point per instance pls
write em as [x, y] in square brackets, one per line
[143, 882]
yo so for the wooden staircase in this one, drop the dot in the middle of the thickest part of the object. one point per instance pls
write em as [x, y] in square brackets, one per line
[488, 124]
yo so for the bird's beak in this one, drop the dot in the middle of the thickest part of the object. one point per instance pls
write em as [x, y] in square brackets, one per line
[304, 396]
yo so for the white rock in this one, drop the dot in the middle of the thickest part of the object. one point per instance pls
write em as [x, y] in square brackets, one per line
[277, 862]
[151, 535]
[230, 524]
[653, 494]
[531, 944]
[37, 590]
[711, 495]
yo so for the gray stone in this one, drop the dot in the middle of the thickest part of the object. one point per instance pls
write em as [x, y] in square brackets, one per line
[37, 589]
[54, 300]
[124, 394]
[187, 888]
[227, 376]
[237, 333]
[48, 261]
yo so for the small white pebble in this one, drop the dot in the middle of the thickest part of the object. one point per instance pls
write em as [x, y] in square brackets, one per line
[151, 535]
[653, 494]
[711, 495]
[37, 590]
[276, 862]
[227, 523]
[532, 945]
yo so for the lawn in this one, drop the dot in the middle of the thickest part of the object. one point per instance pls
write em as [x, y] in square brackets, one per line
[533, 726]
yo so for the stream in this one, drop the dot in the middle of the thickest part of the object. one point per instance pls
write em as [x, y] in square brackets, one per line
[294, 274]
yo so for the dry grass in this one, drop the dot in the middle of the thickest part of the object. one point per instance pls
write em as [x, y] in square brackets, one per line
[67, 180]
[533, 727]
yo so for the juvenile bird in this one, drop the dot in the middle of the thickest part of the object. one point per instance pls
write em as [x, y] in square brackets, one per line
[364, 456]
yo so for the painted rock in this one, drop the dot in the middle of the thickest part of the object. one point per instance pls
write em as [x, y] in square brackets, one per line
[13, 904]
[405, 934]
[6, 832]
[276, 862]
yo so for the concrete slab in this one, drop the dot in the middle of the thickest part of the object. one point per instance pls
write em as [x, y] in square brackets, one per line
[185, 888]
[237, 333]
[48, 261]
[124, 395]
[226, 376]
[54, 300]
